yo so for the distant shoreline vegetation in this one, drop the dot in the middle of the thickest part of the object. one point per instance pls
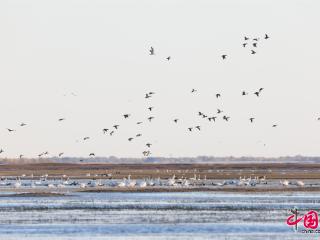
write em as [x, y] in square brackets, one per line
[166, 160]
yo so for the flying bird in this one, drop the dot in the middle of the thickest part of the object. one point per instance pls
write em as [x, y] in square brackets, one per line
[1, 150]
[200, 113]
[61, 119]
[266, 36]
[168, 58]
[218, 95]
[274, 125]
[254, 44]
[190, 129]
[139, 123]
[257, 93]
[92, 155]
[150, 108]
[146, 153]
[150, 118]
[246, 38]
[147, 96]
[244, 93]
[20, 156]
[212, 118]
[116, 126]
[10, 130]
[253, 52]
[193, 90]
[105, 130]
[251, 119]
[126, 115]
[176, 120]
[86, 138]
[198, 127]
[60, 154]
[139, 135]
[130, 139]
[22, 124]
[219, 111]
[224, 56]
[151, 51]
[260, 89]
[256, 39]
[226, 118]
[244, 44]
[111, 133]
[148, 145]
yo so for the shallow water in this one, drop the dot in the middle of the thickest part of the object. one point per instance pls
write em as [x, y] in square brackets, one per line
[183, 215]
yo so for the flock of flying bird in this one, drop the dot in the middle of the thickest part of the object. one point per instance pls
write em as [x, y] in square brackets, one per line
[111, 130]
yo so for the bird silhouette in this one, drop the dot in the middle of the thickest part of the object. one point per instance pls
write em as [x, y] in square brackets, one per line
[150, 118]
[130, 139]
[146, 153]
[190, 129]
[254, 44]
[116, 126]
[61, 119]
[204, 116]
[226, 118]
[246, 38]
[224, 56]
[260, 89]
[139, 123]
[251, 119]
[126, 115]
[244, 44]
[150, 108]
[92, 155]
[1, 150]
[266, 36]
[200, 113]
[20, 156]
[253, 52]
[198, 127]
[148, 145]
[10, 130]
[151, 51]
[151, 93]
[212, 118]
[86, 138]
[256, 39]
[274, 125]
[219, 111]
[168, 58]
[175, 120]
[244, 93]
[147, 96]
[105, 130]
[22, 124]
[193, 90]
[111, 133]
[257, 94]
[139, 135]
[218, 95]
[60, 154]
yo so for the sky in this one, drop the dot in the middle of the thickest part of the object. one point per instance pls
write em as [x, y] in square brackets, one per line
[98, 50]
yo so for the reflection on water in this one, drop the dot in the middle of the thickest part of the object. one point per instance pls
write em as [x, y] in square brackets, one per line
[157, 215]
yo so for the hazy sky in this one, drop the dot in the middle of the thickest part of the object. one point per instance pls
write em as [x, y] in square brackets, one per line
[99, 51]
